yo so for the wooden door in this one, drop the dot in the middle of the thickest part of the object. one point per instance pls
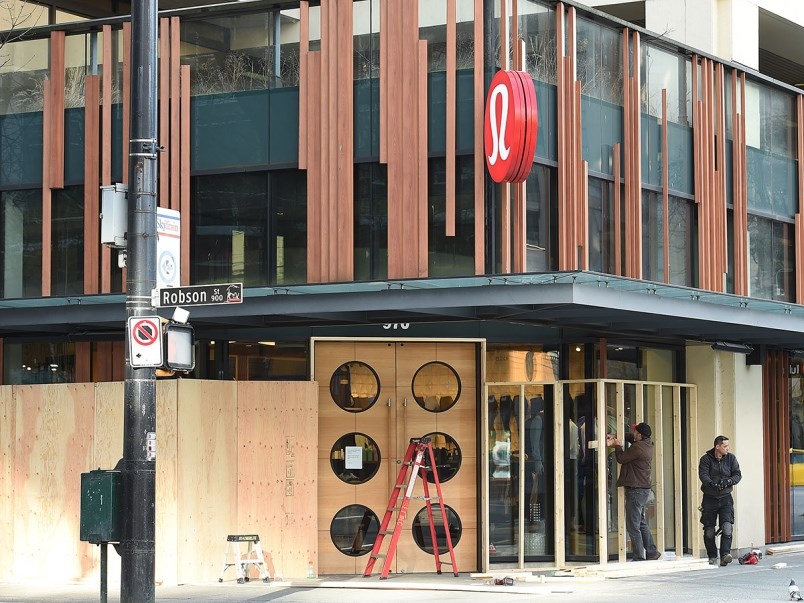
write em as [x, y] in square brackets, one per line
[368, 397]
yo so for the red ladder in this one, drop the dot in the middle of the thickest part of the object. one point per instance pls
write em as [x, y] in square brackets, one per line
[414, 457]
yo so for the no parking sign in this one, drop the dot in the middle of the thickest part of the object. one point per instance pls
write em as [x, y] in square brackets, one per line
[145, 341]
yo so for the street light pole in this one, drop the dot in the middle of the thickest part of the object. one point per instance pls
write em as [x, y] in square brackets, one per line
[139, 423]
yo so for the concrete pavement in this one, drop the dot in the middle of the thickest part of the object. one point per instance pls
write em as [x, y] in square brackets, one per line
[685, 579]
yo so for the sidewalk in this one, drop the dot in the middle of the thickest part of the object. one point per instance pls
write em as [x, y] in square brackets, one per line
[685, 579]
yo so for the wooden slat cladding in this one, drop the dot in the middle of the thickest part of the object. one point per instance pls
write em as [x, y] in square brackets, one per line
[126, 100]
[451, 75]
[709, 151]
[480, 168]
[56, 116]
[573, 202]
[799, 220]
[184, 174]
[329, 146]
[91, 183]
[304, 50]
[665, 191]
[776, 420]
[164, 111]
[107, 101]
[504, 187]
[46, 195]
[401, 118]
[632, 137]
[175, 115]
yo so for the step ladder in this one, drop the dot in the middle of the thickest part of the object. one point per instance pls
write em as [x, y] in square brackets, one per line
[241, 564]
[415, 459]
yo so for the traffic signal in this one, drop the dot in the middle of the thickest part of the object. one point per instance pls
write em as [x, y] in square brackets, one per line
[179, 347]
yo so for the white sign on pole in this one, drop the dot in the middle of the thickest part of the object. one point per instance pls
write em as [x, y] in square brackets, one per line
[168, 248]
[145, 341]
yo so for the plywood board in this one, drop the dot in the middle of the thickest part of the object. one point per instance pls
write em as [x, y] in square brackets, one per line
[7, 509]
[206, 476]
[278, 471]
[167, 549]
[53, 446]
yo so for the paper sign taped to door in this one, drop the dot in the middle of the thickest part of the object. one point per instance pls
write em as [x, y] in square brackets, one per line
[354, 457]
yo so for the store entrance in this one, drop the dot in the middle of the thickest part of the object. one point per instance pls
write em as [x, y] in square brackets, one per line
[552, 489]
[373, 397]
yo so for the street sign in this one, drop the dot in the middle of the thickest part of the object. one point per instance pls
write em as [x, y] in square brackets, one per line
[168, 247]
[145, 341]
[199, 295]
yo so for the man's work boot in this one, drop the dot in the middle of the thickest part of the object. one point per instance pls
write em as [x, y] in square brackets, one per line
[725, 559]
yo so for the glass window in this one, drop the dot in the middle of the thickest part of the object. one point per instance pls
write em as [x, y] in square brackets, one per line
[652, 236]
[602, 257]
[249, 227]
[447, 456]
[683, 242]
[520, 363]
[537, 27]
[421, 529]
[452, 256]
[67, 245]
[371, 221]
[354, 386]
[436, 386]
[541, 205]
[35, 363]
[22, 243]
[354, 529]
[771, 259]
[771, 127]
[355, 458]
[268, 361]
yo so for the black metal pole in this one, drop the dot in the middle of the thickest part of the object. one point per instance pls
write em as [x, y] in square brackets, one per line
[139, 429]
[104, 585]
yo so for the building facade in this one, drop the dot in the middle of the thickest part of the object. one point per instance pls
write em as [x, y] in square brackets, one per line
[329, 156]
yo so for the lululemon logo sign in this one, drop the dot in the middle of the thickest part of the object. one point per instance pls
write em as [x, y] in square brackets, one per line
[510, 126]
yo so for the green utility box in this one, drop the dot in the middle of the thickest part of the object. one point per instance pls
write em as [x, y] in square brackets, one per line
[101, 506]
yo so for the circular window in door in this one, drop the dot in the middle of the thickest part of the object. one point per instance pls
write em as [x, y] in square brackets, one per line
[447, 455]
[421, 529]
[355, 458]
[436, 386]
[354, 529]
[354, 386]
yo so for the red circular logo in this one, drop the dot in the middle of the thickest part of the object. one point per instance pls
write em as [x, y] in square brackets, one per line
[510, 126]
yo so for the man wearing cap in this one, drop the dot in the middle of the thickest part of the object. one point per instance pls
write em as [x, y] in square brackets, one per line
[718, 471]
[635, 477]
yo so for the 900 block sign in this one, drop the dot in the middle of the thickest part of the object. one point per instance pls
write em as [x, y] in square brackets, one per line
[201, 295]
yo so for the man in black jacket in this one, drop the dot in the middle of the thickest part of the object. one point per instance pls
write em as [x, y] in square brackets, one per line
[718, 471]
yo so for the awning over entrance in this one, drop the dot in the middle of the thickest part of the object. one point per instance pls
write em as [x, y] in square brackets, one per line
[589, 302]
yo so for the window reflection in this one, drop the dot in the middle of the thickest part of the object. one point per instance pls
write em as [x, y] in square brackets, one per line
[354, 529]
[421, 529]
[447, 455]
[436, 387]
[354, 386]
[21, 234]
[35, 363]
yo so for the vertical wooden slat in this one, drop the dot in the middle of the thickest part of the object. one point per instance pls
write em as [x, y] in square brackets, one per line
[618, 240]
[744, 184]
[505, 227]
[384, 66]
[106, 145]
[345, 155]
[450, 111]
[519, 234]
[56, 149]
[83, 363]
[326, 229]
[479, 98]
[184, 174]
[46, 194]
[561, 116]
[584, 215]
[164, 112]
[637, 154]
[504, 47]
[314, 235]
[175, 112]
[665, 190]
[766, 474]
[410, 185]
[627, 151]
[394, 109]
[126, 100]
[304, 49]
[91, 178]
[423, 197]
[331, 138]
[571, 98]
[800, 205]
[515, 51]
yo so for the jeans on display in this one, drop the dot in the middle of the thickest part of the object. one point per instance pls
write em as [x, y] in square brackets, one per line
[642, 545]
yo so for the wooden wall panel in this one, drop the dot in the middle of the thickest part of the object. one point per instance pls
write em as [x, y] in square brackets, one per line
[7, 464]
[107, 101]
[83, 362]
[480, 167]
[207, 447]
[184, 175]
[776, 421]
[277, 462]
[164, 111]
[53, 445]
[92, 158]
